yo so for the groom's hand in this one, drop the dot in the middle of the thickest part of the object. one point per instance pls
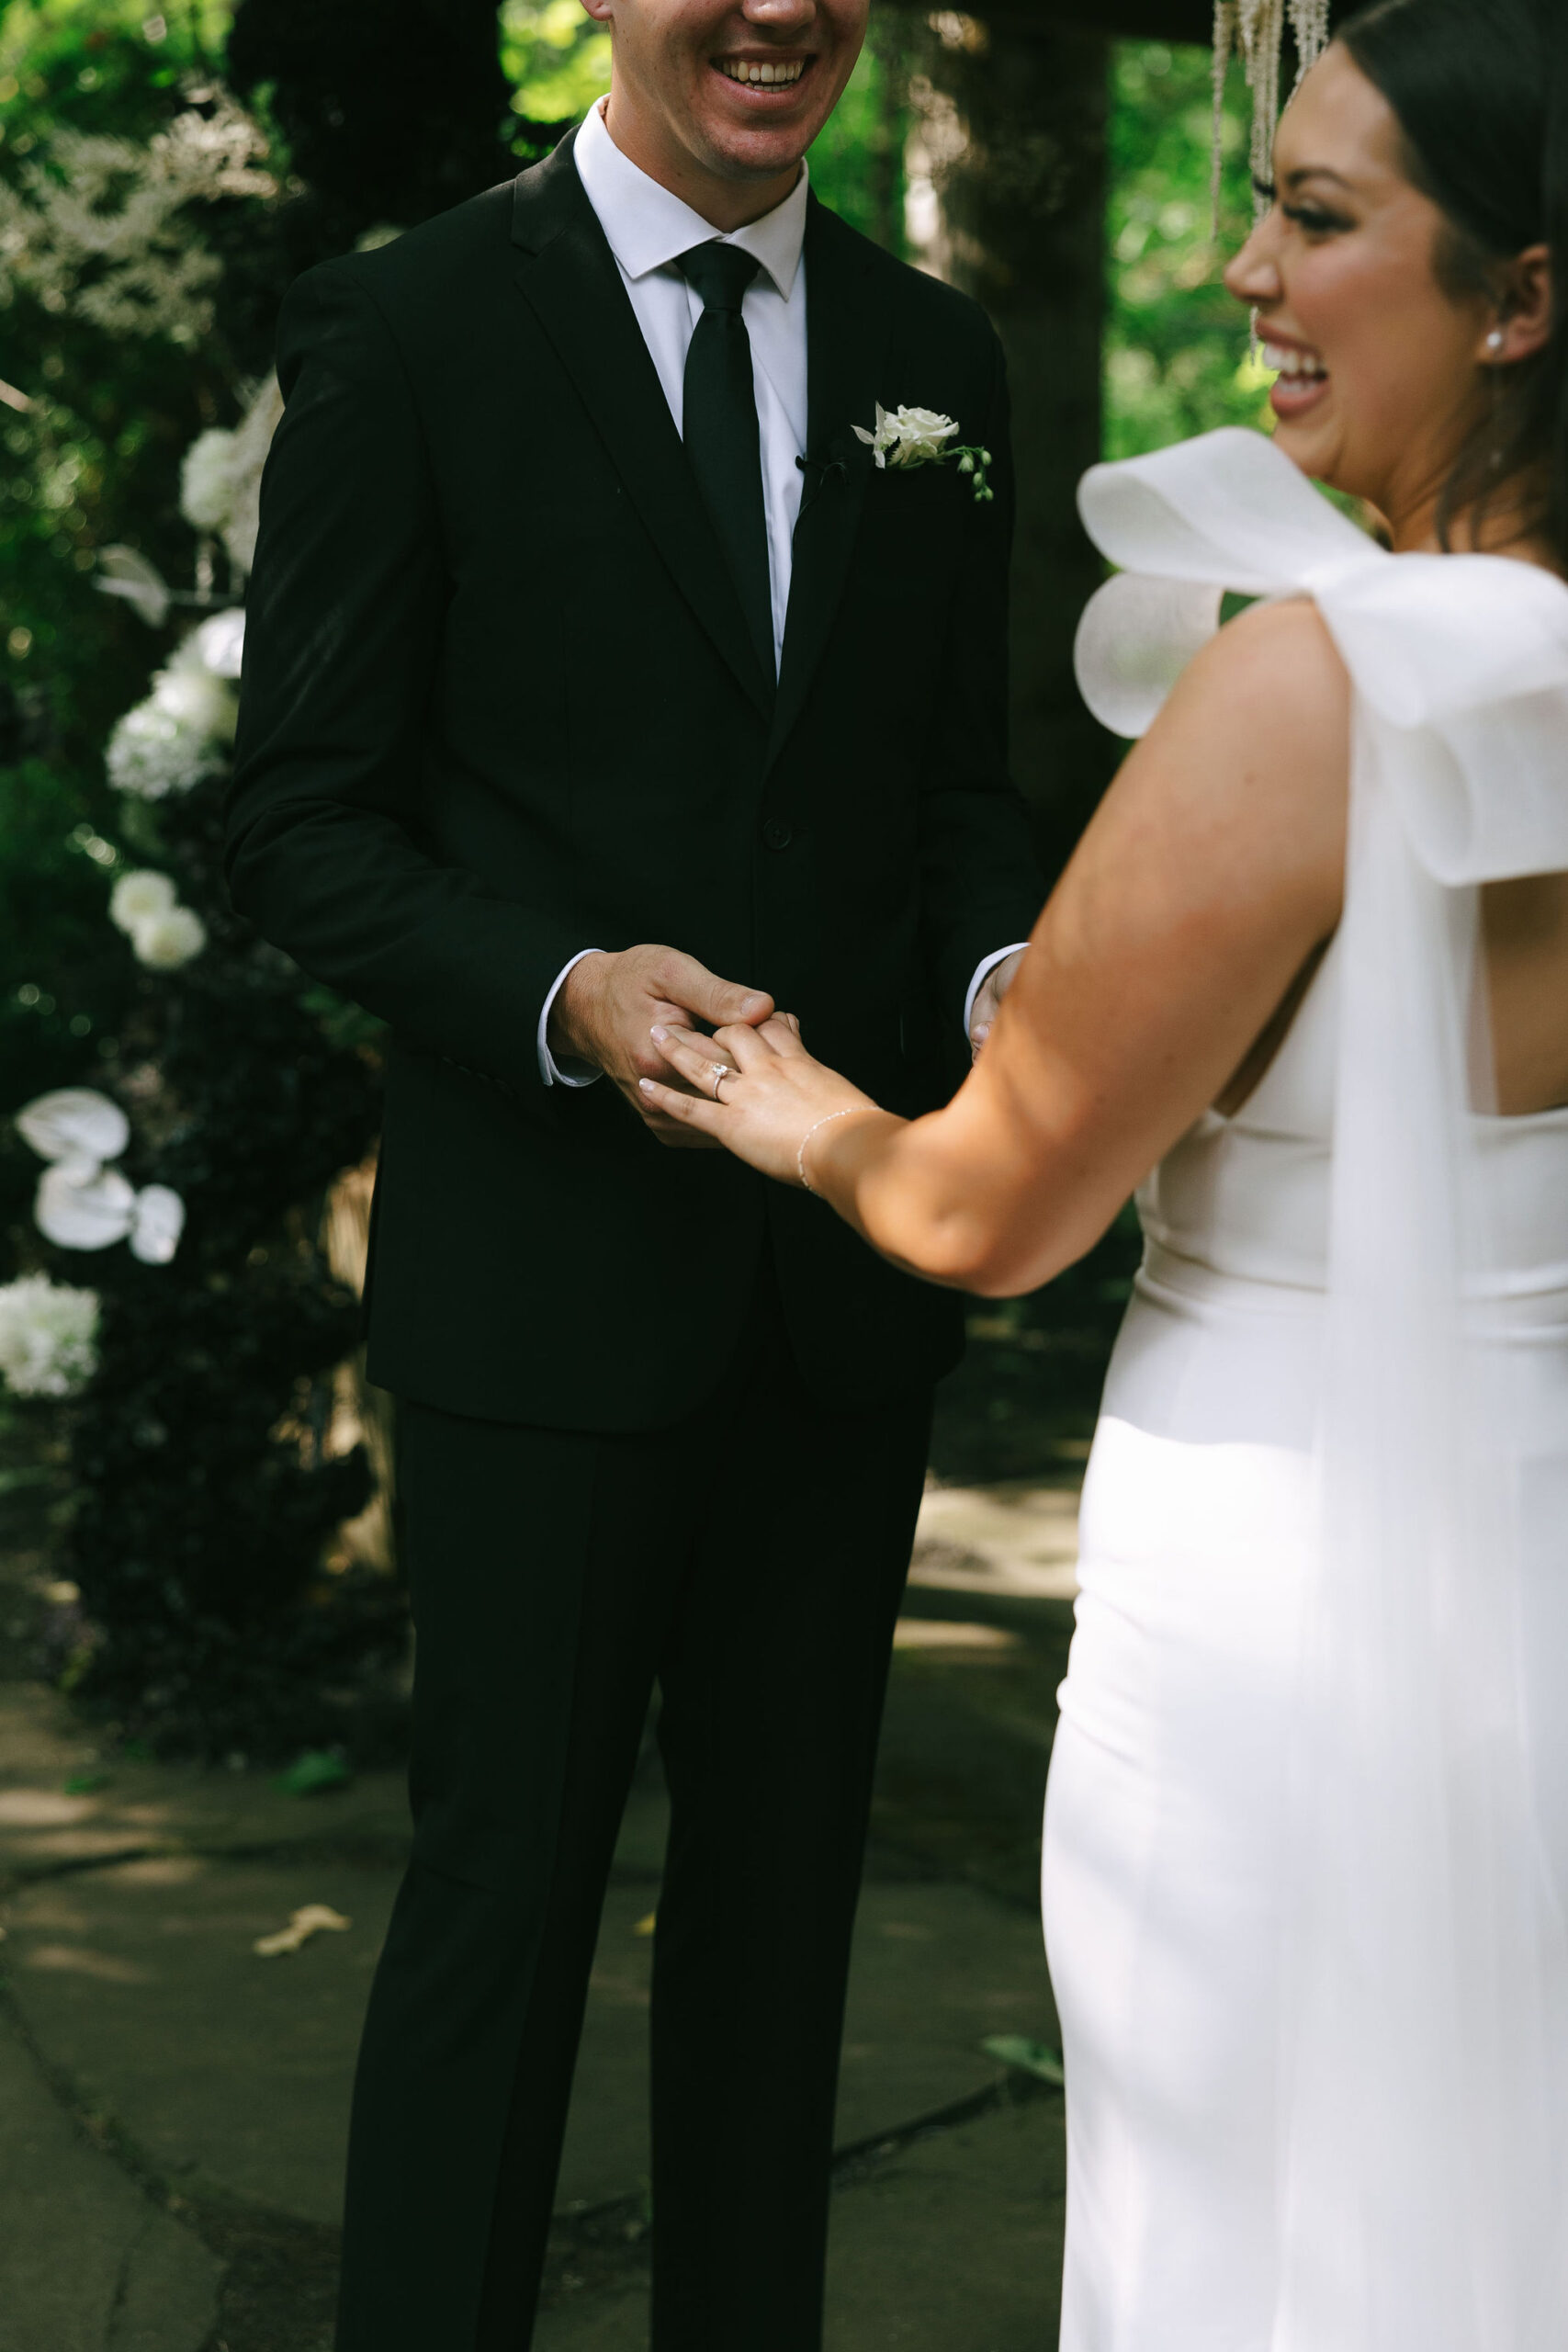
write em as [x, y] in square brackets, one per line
[608, 1005]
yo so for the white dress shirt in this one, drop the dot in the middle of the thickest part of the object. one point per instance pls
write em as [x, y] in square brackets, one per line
[648, 229]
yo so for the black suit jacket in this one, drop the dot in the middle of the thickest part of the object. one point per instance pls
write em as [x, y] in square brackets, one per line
[500, 704]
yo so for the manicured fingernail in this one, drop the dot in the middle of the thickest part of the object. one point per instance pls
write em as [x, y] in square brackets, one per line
[645, 1084]
[659, 1035]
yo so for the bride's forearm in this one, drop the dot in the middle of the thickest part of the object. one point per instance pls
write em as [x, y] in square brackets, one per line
[900, 1185]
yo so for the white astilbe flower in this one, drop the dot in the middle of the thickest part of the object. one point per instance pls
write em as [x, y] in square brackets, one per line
[49, 1335]
[207, 489]
[168, 938]
[252, 440]
[137, 898]
[99, 226]
[154, 753]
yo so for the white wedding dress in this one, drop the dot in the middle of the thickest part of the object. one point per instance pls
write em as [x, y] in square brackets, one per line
[1306, 1833]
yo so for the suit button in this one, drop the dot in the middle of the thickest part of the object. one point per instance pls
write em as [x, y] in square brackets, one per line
[776, 834]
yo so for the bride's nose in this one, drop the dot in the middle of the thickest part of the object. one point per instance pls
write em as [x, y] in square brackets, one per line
[1253, 275]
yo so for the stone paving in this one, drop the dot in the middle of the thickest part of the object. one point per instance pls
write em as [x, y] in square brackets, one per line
[175, 2104]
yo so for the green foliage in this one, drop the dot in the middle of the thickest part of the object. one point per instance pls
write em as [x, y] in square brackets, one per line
[857, 161]
[1176, 344]
[558, 61]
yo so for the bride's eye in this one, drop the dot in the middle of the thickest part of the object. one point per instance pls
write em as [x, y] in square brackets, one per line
[1313, 219]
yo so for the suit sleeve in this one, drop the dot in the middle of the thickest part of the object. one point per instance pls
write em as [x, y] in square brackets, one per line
[981, 886]
[343, 638]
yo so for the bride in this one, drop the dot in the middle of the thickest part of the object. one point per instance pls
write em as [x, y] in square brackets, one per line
[1306, 1846]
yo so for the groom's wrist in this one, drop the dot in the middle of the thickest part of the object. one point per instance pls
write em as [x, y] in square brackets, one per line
[570, 1029]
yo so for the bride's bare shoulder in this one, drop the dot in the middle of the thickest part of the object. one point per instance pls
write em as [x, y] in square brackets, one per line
[1275, 667]
[1240, 790]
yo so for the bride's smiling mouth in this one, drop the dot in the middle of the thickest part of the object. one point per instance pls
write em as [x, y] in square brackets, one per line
[1302, 379]
[765, 82]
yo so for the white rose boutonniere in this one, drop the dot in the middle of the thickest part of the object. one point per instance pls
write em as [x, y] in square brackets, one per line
[919, 436]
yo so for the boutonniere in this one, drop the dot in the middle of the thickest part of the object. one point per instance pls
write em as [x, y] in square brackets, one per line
[919, 436]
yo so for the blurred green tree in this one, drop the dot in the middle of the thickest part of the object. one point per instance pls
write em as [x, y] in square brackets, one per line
[1176, 349]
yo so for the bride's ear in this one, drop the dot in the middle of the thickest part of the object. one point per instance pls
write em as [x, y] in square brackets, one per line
[1523, 322]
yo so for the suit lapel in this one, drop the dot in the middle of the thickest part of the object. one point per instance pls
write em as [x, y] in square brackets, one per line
[569, 277]
[846, 301]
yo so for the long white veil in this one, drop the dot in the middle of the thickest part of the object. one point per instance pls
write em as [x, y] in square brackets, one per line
[1423, 2051]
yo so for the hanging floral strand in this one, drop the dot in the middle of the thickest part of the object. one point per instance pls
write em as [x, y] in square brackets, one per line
[1257, 28]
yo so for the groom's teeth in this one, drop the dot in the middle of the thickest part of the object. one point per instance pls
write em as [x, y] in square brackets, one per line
[741, 70]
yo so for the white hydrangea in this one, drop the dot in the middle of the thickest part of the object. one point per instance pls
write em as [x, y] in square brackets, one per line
[220, 642]
[207, 489]
[138, 897]
[155, 752]
[190, 690]
[168, 937]
[49, 1334]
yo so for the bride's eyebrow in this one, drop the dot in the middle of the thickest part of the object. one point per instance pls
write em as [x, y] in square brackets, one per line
[1315, 172]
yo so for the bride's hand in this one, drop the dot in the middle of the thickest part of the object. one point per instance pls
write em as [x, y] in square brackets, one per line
[765, 1106]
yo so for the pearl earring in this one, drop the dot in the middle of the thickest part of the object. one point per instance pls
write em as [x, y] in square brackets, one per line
[1495, 340]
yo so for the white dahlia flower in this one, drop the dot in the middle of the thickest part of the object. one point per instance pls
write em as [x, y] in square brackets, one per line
[167, 938]
[137, 898]
[207, 479]
[48, 1337]
[155, 752]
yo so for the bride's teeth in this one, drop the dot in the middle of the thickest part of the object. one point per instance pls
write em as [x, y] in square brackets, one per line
[1286, 361]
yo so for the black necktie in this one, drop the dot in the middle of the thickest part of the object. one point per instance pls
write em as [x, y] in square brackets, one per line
[719, 428]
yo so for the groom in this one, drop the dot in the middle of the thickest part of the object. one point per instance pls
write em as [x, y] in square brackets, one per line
[597, 677]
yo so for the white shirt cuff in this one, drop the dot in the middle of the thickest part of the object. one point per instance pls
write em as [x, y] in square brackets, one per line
[987, 964]
[568, 1073]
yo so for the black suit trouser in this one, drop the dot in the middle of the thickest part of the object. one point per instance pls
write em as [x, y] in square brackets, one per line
[751, 1561]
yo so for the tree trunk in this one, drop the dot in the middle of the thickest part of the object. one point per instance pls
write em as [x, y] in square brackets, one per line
[1007, 199]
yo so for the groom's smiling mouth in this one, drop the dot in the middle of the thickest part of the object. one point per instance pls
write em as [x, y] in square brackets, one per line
[763, 78]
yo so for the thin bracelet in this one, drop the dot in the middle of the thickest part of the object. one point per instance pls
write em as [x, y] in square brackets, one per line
[805, 1138]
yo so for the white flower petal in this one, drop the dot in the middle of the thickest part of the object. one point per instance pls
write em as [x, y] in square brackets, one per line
[207, 479]
[136, 897]
[188, 692]
[159, 1219]
[84, 1217]
[74, 1122]
[165, 941]
[221, 642]
[123, 573]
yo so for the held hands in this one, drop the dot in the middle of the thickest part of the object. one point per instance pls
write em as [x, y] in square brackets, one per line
[608, 1005]
[770, 1092]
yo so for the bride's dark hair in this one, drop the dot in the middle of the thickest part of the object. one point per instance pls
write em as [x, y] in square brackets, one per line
[1480, 88]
